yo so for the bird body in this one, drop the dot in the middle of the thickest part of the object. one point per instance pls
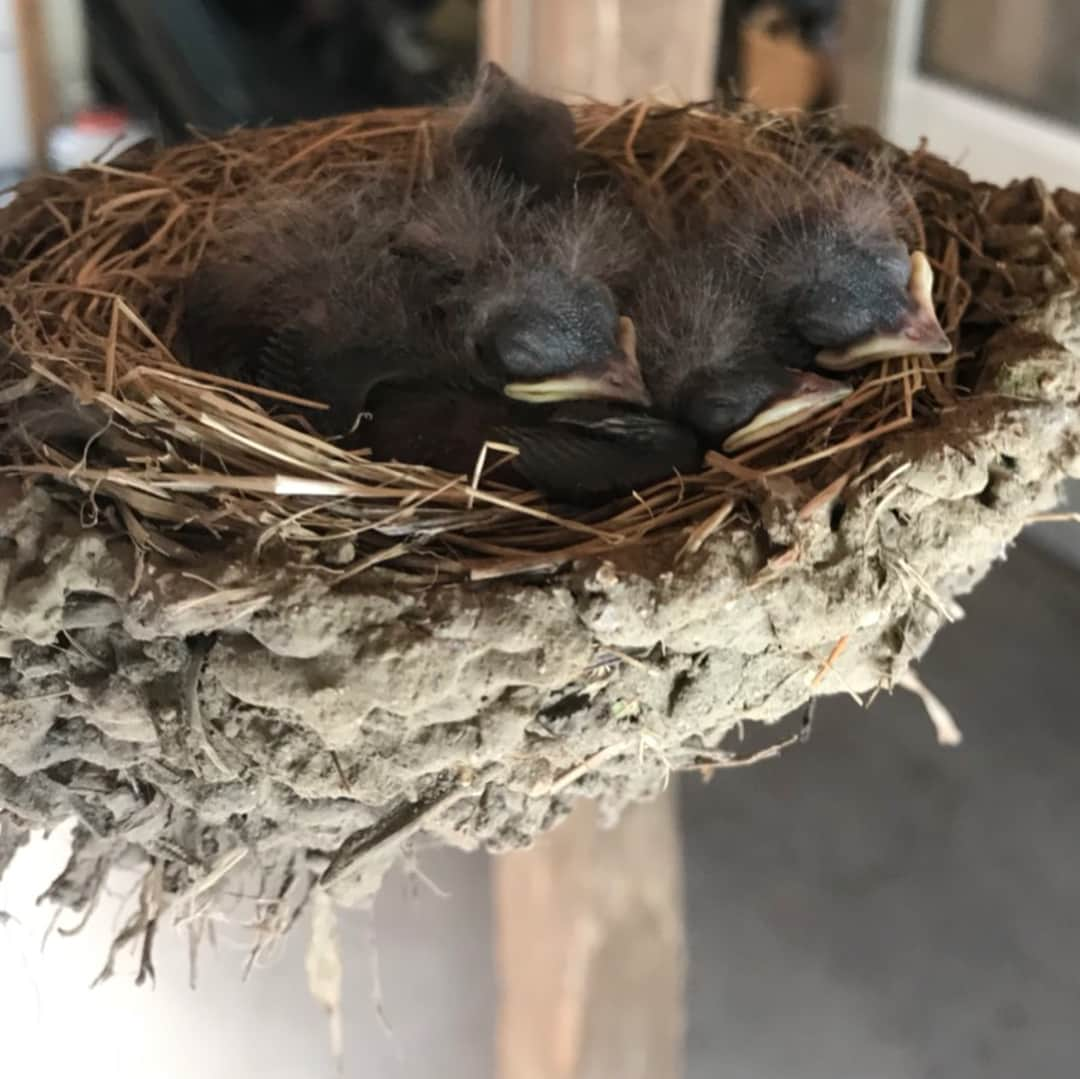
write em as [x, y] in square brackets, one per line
[577, 452]
[306, 298]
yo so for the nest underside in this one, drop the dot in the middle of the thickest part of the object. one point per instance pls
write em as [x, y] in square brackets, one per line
[223, 674]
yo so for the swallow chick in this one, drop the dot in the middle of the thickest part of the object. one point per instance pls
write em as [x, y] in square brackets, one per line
[305, 299]
[842, 290]
[830, 254]
[817, 274]
[523, 137]
[325, 302]
[711, 350]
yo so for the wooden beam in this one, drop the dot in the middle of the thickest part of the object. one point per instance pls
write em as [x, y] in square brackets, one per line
[590, 933]
[591, 951]
[608, 49]
[37, 76]
[868, 60]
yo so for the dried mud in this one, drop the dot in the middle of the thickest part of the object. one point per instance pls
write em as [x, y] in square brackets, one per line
[200, 719]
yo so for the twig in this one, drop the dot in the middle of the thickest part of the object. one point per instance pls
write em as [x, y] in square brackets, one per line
[945, 727]
[395, 827]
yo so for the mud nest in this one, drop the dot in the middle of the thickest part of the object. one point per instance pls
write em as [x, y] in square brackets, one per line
[231, 650]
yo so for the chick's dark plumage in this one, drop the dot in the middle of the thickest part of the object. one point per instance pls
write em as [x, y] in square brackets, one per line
[307, 299]
[578, 452]
[524, 137]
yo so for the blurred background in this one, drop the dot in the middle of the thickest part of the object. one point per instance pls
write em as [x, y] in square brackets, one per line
[870, 906]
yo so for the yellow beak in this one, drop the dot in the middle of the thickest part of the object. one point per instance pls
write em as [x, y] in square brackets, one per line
[617, 379]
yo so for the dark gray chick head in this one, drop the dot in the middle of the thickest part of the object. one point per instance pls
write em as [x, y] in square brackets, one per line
[711, 354]
[550, 335]
[848, 284]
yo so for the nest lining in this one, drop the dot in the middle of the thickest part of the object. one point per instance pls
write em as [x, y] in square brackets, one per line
[93, 261]
[222, 648]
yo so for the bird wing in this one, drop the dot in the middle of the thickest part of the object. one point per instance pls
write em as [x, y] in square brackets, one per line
[586, 459]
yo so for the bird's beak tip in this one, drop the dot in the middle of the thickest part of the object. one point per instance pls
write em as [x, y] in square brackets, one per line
[811, 394]
[926, 336]
[618, 378]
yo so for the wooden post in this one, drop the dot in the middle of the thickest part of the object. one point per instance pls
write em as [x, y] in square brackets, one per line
[591, 952]
[37, 76]
[867, 60]
[608, 49]
[590, 937]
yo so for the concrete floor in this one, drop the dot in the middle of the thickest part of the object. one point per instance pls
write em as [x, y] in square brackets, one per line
[874, 906]
[871, 906]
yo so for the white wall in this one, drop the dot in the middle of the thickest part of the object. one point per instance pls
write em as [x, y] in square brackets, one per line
[435, 970]
[14, 132]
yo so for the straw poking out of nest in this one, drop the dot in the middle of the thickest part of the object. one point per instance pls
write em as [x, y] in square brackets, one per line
[92, 261]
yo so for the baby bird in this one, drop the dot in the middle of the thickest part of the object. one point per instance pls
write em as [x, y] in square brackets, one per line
[531, 293]
[327, 300]
[304, 298]
[711, 350]
[473, 277]
[731, 322]
[469, 315]
[424, 358]
[833, 264]
[523, 137]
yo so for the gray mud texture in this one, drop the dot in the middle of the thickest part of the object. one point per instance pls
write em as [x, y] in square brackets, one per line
[228, 718]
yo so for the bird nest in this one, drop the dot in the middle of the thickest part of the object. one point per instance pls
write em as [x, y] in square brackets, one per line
[230, 646]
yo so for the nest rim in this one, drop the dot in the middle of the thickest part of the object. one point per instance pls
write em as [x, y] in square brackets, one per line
[91, 311]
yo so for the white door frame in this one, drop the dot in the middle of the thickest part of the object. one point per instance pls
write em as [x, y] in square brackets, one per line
[990, 139]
